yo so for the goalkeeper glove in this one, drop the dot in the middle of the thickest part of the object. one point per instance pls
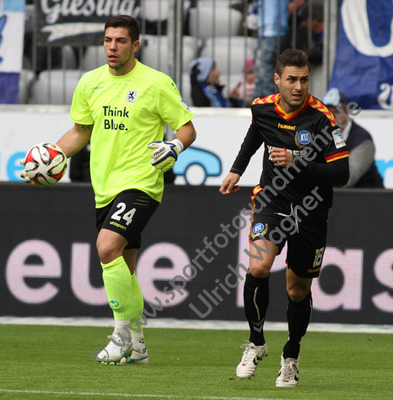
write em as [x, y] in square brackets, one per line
[24, 176]
[165, 156]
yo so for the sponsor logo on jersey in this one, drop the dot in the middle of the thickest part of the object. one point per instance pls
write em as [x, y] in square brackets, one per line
[338, 138]
[300, 153]
[131, 96]
[304, 137]
[282, 126]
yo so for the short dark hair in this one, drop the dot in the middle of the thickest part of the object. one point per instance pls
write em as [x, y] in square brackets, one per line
[292, 57]
[124, 21]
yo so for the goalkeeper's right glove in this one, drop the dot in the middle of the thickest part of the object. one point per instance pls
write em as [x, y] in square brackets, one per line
[24, 176]
[165, 156]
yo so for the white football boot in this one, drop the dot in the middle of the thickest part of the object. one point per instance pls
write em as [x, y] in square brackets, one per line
[288, 375]
[116, 349]
[251, 357]
[139, 354]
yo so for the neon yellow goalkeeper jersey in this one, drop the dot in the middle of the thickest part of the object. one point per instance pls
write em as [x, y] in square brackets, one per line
[128, 112]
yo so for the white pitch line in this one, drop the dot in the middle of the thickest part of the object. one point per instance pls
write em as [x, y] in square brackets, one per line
[162, 396]
[196, 324]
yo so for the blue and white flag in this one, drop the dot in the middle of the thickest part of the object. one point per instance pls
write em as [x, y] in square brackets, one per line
[12, 16]
[363, 68]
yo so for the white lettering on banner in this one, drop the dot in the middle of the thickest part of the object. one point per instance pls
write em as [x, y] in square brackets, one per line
[177, 270]
[85, 8]
[357, 28]
[61, 31]
[384, 273]
[384, 96]
[80, 272]
[39, 259]
[17, 270]
[350, 263]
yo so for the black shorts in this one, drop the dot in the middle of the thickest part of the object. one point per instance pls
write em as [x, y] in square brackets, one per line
[127, 214]
[302, 228]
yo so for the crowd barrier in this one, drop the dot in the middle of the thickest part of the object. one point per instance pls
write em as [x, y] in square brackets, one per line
[193, 257]
[220, 133]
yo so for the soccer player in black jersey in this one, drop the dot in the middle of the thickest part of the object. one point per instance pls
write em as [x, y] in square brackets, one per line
[304, 153]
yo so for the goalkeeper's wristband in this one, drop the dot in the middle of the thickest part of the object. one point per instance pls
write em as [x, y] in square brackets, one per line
[179, 145]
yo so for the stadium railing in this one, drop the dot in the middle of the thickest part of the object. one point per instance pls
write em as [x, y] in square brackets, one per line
[173, 32]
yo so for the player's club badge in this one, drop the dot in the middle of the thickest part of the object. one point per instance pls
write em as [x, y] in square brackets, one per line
[258, 230]
[303, 138]
[131, 96]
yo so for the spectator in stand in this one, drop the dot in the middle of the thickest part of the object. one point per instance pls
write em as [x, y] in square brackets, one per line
[295, 4]
[294, 19]
[242, 94]
[363, 172]
[310, 41]
[272, 27]
[206, 90]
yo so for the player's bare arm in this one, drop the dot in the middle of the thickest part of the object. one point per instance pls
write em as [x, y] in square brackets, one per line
[75, 139]
[280, 156]
[186, 134]
[229, 184]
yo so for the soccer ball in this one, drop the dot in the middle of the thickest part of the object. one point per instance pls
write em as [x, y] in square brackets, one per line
[45, 164]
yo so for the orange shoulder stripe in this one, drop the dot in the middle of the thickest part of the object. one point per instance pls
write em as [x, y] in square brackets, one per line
[317, 104]
[268, 99]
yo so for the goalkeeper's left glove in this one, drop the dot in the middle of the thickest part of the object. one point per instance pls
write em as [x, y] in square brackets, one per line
[165, 156]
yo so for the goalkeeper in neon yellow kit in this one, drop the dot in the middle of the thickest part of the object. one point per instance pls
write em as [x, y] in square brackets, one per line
[122, 109]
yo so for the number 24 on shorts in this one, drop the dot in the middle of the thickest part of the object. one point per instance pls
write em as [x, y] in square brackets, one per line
[127, 216]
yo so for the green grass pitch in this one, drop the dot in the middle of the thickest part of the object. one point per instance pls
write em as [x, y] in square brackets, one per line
[54, 362]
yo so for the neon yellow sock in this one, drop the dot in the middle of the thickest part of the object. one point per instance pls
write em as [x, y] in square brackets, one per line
[137, 303]
[118, 287]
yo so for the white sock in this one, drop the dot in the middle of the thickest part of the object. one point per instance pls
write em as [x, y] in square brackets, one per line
[122, 326]
[136, 336]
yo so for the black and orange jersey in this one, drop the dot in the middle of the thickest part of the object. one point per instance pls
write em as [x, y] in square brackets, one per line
[310, 134]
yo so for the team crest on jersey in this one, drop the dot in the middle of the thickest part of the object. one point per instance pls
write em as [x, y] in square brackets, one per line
[258, 229]
[131, 96]
[303, 138]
